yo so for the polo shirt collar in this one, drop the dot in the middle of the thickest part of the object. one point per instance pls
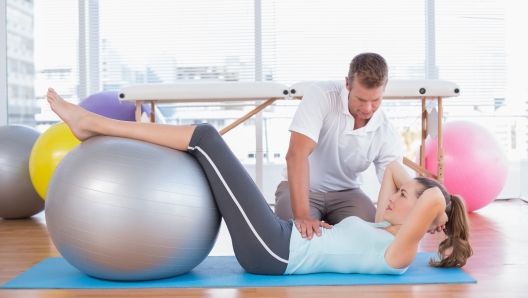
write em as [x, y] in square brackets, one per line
[375, 120]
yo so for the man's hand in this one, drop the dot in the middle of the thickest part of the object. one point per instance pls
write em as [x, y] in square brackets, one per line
[308, 226]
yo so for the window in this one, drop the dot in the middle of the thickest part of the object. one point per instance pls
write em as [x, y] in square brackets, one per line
[82, 47]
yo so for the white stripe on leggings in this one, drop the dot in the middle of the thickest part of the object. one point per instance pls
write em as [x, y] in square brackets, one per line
[239, 207]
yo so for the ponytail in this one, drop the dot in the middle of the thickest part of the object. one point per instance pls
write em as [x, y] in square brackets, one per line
[457, 232]
[455, 249]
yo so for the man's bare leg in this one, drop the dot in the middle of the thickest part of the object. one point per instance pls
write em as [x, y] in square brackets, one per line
[85, 125]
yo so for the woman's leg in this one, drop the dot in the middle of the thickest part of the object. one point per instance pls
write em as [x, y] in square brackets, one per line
[260, 239]
[85, 124]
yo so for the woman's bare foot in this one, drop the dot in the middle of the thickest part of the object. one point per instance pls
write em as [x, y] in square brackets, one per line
[77, 118]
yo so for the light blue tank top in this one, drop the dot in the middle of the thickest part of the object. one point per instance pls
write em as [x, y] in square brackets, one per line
[352, 246]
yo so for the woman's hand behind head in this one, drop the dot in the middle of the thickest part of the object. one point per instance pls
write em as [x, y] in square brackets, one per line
[455, 249]
[438, 224]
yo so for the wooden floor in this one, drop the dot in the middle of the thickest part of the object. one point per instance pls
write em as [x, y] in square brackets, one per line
[500, 263]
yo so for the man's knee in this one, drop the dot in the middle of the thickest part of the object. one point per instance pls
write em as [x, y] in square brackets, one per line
[283, 208]
[366, 210]
[282, 201]
[351, 203]
[364, 207]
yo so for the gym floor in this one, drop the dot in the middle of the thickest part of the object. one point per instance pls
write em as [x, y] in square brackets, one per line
[499, 239]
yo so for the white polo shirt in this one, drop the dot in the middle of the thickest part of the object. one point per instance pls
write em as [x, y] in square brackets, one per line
[342, 153]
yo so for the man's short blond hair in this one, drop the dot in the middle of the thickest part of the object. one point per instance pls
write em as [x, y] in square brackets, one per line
[370, 69]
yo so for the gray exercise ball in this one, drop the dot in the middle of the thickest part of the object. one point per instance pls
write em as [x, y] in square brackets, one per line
[122, 209]
[18, 197]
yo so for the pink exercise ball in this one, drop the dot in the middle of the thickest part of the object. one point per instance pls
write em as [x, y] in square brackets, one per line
[475, 164]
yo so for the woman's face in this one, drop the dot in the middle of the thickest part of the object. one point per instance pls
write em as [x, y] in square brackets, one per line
[401, 203]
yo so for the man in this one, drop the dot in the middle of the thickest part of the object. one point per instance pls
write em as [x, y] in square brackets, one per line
[338, 130]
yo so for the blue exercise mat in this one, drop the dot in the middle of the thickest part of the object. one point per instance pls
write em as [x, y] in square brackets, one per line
[222, 272]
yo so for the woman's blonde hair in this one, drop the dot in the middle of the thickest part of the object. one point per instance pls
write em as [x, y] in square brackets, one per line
[455, 249]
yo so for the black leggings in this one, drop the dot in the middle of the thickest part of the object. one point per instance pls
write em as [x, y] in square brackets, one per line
[261, 240]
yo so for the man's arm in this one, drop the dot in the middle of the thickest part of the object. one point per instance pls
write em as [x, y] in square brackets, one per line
[390, 151]
[300, 148]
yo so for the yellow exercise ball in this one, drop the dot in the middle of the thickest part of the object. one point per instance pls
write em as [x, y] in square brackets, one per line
[48, 151]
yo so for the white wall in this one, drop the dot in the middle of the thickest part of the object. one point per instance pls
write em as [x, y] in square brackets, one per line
[523, 181]
[3, 64]
[271, 178]
[512, 188]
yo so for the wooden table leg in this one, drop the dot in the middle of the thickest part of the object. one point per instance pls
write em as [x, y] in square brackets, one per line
[152, 112]
[138, 111]
[440, 169]
[417, 168]
[247, 116]
[424, 134]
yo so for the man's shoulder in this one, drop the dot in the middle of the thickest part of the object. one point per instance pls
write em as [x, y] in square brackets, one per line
[385, 121]
[386, 127]
[324, 94]
[326, 87]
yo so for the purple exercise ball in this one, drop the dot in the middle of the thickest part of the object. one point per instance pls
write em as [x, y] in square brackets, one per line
[107, 104]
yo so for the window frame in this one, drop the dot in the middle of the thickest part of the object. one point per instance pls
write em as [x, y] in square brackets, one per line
[3, 65]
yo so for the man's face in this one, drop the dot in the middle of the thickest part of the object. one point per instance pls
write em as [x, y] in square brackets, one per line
[363, 102]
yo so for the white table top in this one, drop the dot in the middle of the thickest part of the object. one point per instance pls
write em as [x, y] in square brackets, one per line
[250, 91]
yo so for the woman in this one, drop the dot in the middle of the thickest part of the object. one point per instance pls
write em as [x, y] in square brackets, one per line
[265, 244]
